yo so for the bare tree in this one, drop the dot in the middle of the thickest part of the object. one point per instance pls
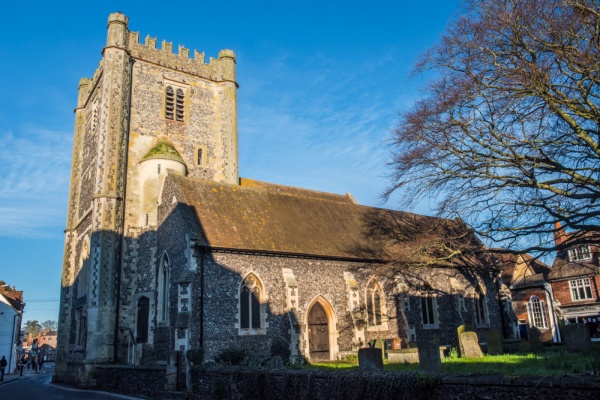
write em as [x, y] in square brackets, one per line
[506, 136]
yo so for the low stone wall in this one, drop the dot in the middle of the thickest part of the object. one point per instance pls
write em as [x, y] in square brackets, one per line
[234, 383]
[134, 380]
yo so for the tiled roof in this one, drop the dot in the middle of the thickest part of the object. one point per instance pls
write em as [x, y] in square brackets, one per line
[529, 281]
[563, 269]
[258, 216]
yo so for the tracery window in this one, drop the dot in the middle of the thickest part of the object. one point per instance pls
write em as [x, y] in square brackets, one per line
[428, 307]
[537, 312]
[374, 299]
[481, 310]
[252, 304]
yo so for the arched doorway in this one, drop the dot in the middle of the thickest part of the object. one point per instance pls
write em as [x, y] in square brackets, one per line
[318, 333]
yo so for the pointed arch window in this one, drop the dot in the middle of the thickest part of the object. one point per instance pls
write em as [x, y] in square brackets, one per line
[537, 312]
[252, 305]
[374, 299]
[163, 290]
[429, 311]
[481, 309]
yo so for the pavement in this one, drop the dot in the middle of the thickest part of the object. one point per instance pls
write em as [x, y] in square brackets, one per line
[27, 373]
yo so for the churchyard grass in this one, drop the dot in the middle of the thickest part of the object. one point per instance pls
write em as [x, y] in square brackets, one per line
[544, 363]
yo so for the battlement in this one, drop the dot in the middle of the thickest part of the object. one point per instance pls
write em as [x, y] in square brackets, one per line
[217, 69]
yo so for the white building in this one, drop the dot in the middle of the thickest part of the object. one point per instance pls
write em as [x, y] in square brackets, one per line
[11, 311]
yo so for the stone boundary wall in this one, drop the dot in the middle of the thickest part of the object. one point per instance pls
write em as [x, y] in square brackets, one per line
[133, 380]
[235, 383]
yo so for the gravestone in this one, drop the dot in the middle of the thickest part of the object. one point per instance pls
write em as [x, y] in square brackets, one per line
[429, 357]
[380, 344]
[494, 342]
[470, 345]
[524, 346]
[276, 362]
[535, 339]
[577, 338]
[460, 330]
[369, 358]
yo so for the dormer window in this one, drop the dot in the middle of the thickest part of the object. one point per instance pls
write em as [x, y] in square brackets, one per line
[580, 253]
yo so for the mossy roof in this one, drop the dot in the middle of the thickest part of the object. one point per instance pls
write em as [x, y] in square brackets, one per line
[259, 216]
[165, 151]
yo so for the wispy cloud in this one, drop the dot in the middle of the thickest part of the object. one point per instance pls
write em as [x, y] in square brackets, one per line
[35, 164]
[320, 123]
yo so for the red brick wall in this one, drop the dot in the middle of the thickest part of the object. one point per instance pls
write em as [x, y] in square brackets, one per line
[562, 292]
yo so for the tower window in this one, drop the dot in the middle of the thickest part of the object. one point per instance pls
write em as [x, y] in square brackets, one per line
[175, 104]
[199, 156]
[179, 105]
[169, 103]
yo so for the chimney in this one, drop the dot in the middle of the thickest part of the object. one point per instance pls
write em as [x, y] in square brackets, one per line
[559, 234]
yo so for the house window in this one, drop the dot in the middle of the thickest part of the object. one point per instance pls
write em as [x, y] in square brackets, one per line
[252, 305]
[581, 289]
[374, 298]
[174, 103]
[428, 308]
[537, 312]
[481, 310]
[580, 253]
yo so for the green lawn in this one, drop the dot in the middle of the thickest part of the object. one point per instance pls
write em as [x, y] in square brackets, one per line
[548, 362]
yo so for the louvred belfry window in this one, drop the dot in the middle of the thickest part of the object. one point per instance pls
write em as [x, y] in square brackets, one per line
[179, 105]
[169, 103]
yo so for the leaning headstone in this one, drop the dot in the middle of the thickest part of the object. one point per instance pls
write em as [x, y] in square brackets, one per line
[470, 345]
[460, 330]
[370, 358]
[577, 337]
[535, 339]
[276, 362]
[494, 342]
[429, 357]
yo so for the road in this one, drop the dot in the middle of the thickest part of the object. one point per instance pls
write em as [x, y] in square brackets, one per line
[32, 386]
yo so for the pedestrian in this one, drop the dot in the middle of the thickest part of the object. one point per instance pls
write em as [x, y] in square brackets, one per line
[2, 366]
[34, 364]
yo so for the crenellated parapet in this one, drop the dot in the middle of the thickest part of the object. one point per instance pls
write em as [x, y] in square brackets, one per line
[221, 69]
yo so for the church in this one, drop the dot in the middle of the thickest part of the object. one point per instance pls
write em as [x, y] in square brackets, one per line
[167, 249]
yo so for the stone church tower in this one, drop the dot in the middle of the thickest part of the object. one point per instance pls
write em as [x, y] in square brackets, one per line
[144, 112]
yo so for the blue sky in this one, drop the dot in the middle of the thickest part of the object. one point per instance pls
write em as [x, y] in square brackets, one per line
[321, 84]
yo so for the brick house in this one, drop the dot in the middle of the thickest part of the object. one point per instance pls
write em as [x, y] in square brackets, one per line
[531, 295]
[575, 280]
